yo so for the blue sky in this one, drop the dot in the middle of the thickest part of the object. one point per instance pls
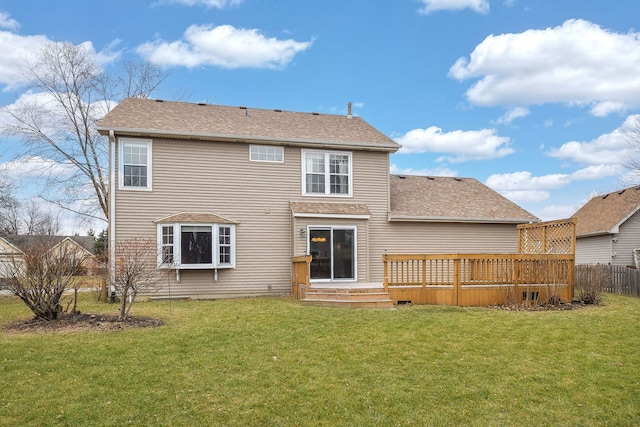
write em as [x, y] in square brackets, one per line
[535, 98]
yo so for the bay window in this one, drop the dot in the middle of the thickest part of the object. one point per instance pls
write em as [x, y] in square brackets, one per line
[196, 246]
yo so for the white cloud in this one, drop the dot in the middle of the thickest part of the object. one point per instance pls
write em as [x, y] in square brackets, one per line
[35, 167]
[480, 6]
[553, 212]
[218, 4]
[423, 172]
[14, 51]
[524, 180]
[7, 22]
[512, 114]
[223, 46]
[17, 50]
[577, 63]
[460, 145]
[523, 186]
[611, 148]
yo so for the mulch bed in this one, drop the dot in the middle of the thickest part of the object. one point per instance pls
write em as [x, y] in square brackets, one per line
[73, 322]
[542, 307]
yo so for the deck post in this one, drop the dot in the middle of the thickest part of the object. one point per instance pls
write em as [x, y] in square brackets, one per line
[456, 279]
[386, 272]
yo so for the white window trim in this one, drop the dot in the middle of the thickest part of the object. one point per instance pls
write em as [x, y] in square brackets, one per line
[355, 249]
[281, 148]
[177, 245]
[121, 142]
[327, 174]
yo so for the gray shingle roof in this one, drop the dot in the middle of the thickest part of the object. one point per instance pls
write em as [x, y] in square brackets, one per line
[358, 209]
[24, 241]
[602, 214]
[451, 199]
[144, 117]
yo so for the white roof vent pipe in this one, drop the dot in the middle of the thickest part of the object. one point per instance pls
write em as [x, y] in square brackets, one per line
[349, 110]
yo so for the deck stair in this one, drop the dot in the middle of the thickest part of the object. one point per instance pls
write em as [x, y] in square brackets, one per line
[348, 297]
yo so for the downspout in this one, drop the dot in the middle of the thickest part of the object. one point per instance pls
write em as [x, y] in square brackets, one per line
[111, 200]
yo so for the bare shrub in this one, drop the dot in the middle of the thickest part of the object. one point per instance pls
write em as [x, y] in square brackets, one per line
[591, 280]
[135, 271]
[41, 275]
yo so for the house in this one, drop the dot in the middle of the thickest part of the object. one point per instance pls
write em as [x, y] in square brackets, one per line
[231, 194]
[12, 248]
[608, 229]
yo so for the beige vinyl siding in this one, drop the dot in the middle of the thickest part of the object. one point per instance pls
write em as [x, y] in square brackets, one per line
[193, 176]
[594, 249]
[628, 240]
[438, 238]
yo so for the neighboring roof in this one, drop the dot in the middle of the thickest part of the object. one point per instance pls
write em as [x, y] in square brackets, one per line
[196, 218]
[451, 199]
[24, 241]
[352, 210]
[604, 214]
[155, 118]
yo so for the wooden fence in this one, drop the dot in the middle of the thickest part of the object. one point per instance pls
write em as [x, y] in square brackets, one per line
[616, 279]
[478, 279]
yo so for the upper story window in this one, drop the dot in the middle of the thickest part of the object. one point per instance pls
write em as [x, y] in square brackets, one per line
[266, 153]
[196, 246]
[327, 173]
[135, 164]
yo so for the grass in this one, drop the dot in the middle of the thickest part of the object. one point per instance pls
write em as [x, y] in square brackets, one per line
[272, 362]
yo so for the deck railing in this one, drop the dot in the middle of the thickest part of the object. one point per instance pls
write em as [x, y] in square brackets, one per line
[478, 279]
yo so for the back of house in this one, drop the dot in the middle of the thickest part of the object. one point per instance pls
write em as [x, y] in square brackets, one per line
[231, 194]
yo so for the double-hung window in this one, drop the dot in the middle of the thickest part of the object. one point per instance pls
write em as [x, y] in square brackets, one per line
[327, 173]
[196, 246]
[135, 164]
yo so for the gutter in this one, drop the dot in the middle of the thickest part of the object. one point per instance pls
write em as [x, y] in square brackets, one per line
[247, 139]
[111, 200]
[478, 220]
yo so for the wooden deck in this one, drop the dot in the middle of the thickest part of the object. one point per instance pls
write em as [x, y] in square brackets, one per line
[543, 271]
[478, 279]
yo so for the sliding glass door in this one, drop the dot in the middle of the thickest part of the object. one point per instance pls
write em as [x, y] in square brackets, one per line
[333, 251]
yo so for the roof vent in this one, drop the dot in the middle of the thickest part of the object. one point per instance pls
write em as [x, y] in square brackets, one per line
[458, 179]
[159, 100]
[402, 177]
[349, 110]
[605, 196]
[242, 108]
[201, 103]
[622, 191]
[431, 178]
[278, 111]
[315, 113]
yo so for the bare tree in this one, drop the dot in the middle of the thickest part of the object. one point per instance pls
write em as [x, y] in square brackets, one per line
[70, 93]
[39, 222]
[632, 137]
[136, 271]
[41, 275]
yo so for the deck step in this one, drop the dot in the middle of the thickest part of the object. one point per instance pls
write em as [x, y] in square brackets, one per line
[348, 298]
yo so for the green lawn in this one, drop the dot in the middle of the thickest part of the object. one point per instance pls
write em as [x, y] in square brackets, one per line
[271, 362]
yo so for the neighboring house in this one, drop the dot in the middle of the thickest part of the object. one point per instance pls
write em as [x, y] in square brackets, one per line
[230, 194]
[12, 248]
[608, 228]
